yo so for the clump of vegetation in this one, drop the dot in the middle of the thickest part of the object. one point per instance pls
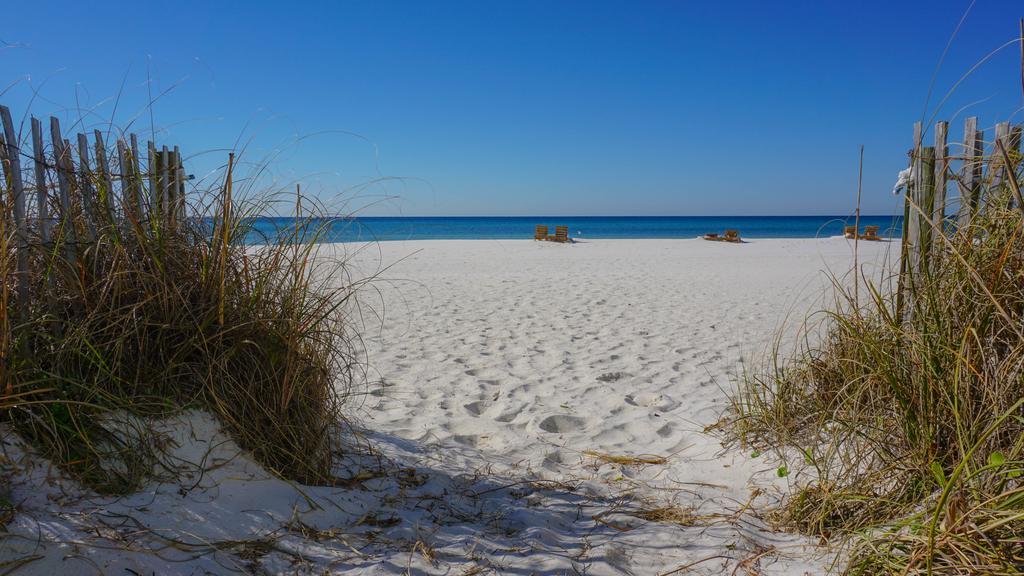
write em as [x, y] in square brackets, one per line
[907, 410]
[141, 302]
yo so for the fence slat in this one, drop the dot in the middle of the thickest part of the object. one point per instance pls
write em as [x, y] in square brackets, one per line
[5, 167]
[1012, 149]
[913, 194]
[926, 196]
[18, 189]
[996, 164]
[60, 154]
[941, 173]
[154, 187]
[42, 194]
[124, 167]
[177, 194]
[136, 176]
[85, 182]
[908, 254]
[970, 176]
[182, 177]
[107, 189]
[164, 179]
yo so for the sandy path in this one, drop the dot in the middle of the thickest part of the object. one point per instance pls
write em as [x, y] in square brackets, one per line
[522, 355]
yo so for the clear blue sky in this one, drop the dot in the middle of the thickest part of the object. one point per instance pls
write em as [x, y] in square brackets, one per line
[528, 108]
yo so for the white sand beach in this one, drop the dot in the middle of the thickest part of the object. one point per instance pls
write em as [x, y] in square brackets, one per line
[501, 371]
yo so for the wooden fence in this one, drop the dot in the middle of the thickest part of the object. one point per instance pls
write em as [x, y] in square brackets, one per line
[56, 196]
[982, 172]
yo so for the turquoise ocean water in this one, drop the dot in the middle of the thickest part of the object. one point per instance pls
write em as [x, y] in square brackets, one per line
[365, 229]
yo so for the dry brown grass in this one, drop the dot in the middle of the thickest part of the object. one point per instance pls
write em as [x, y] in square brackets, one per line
[143, 317]
[913, 428]
[642, 459]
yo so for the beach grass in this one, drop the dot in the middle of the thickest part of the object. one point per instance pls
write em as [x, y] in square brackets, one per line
[139, 318]
[908, 424]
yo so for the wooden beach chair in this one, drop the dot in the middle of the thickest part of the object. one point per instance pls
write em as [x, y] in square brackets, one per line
[561, 234]
[871, 233]
[729, 236]
[850, 232]
[541, 232]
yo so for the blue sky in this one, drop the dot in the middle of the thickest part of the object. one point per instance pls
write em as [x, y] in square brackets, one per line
[528, 108]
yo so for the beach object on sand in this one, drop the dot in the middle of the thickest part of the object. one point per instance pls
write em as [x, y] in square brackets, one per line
[871, 233]
[561, 234]
[730, 236]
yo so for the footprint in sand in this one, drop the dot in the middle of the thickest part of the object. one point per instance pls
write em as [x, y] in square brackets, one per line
[561, 423]
[612, 376]
[470, 440]
[510, 414]
[556, 459]
[651, 400]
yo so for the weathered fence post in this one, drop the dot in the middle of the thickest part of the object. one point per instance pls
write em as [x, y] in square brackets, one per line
[86, 186]
[995, 163]
[61, 155]
[5, 325]
[164, 179]
[908, 252]
[154, 185]
[136, 175]
[42, 194]
[941, 168]
[1016, 200]
[177, 189]
[107, 183]
[926, 196]
[1012, 153]
[128, 207]
[970, 176]
[17, 188]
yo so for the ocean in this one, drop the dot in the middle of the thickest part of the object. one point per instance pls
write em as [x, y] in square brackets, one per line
[368, 229]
